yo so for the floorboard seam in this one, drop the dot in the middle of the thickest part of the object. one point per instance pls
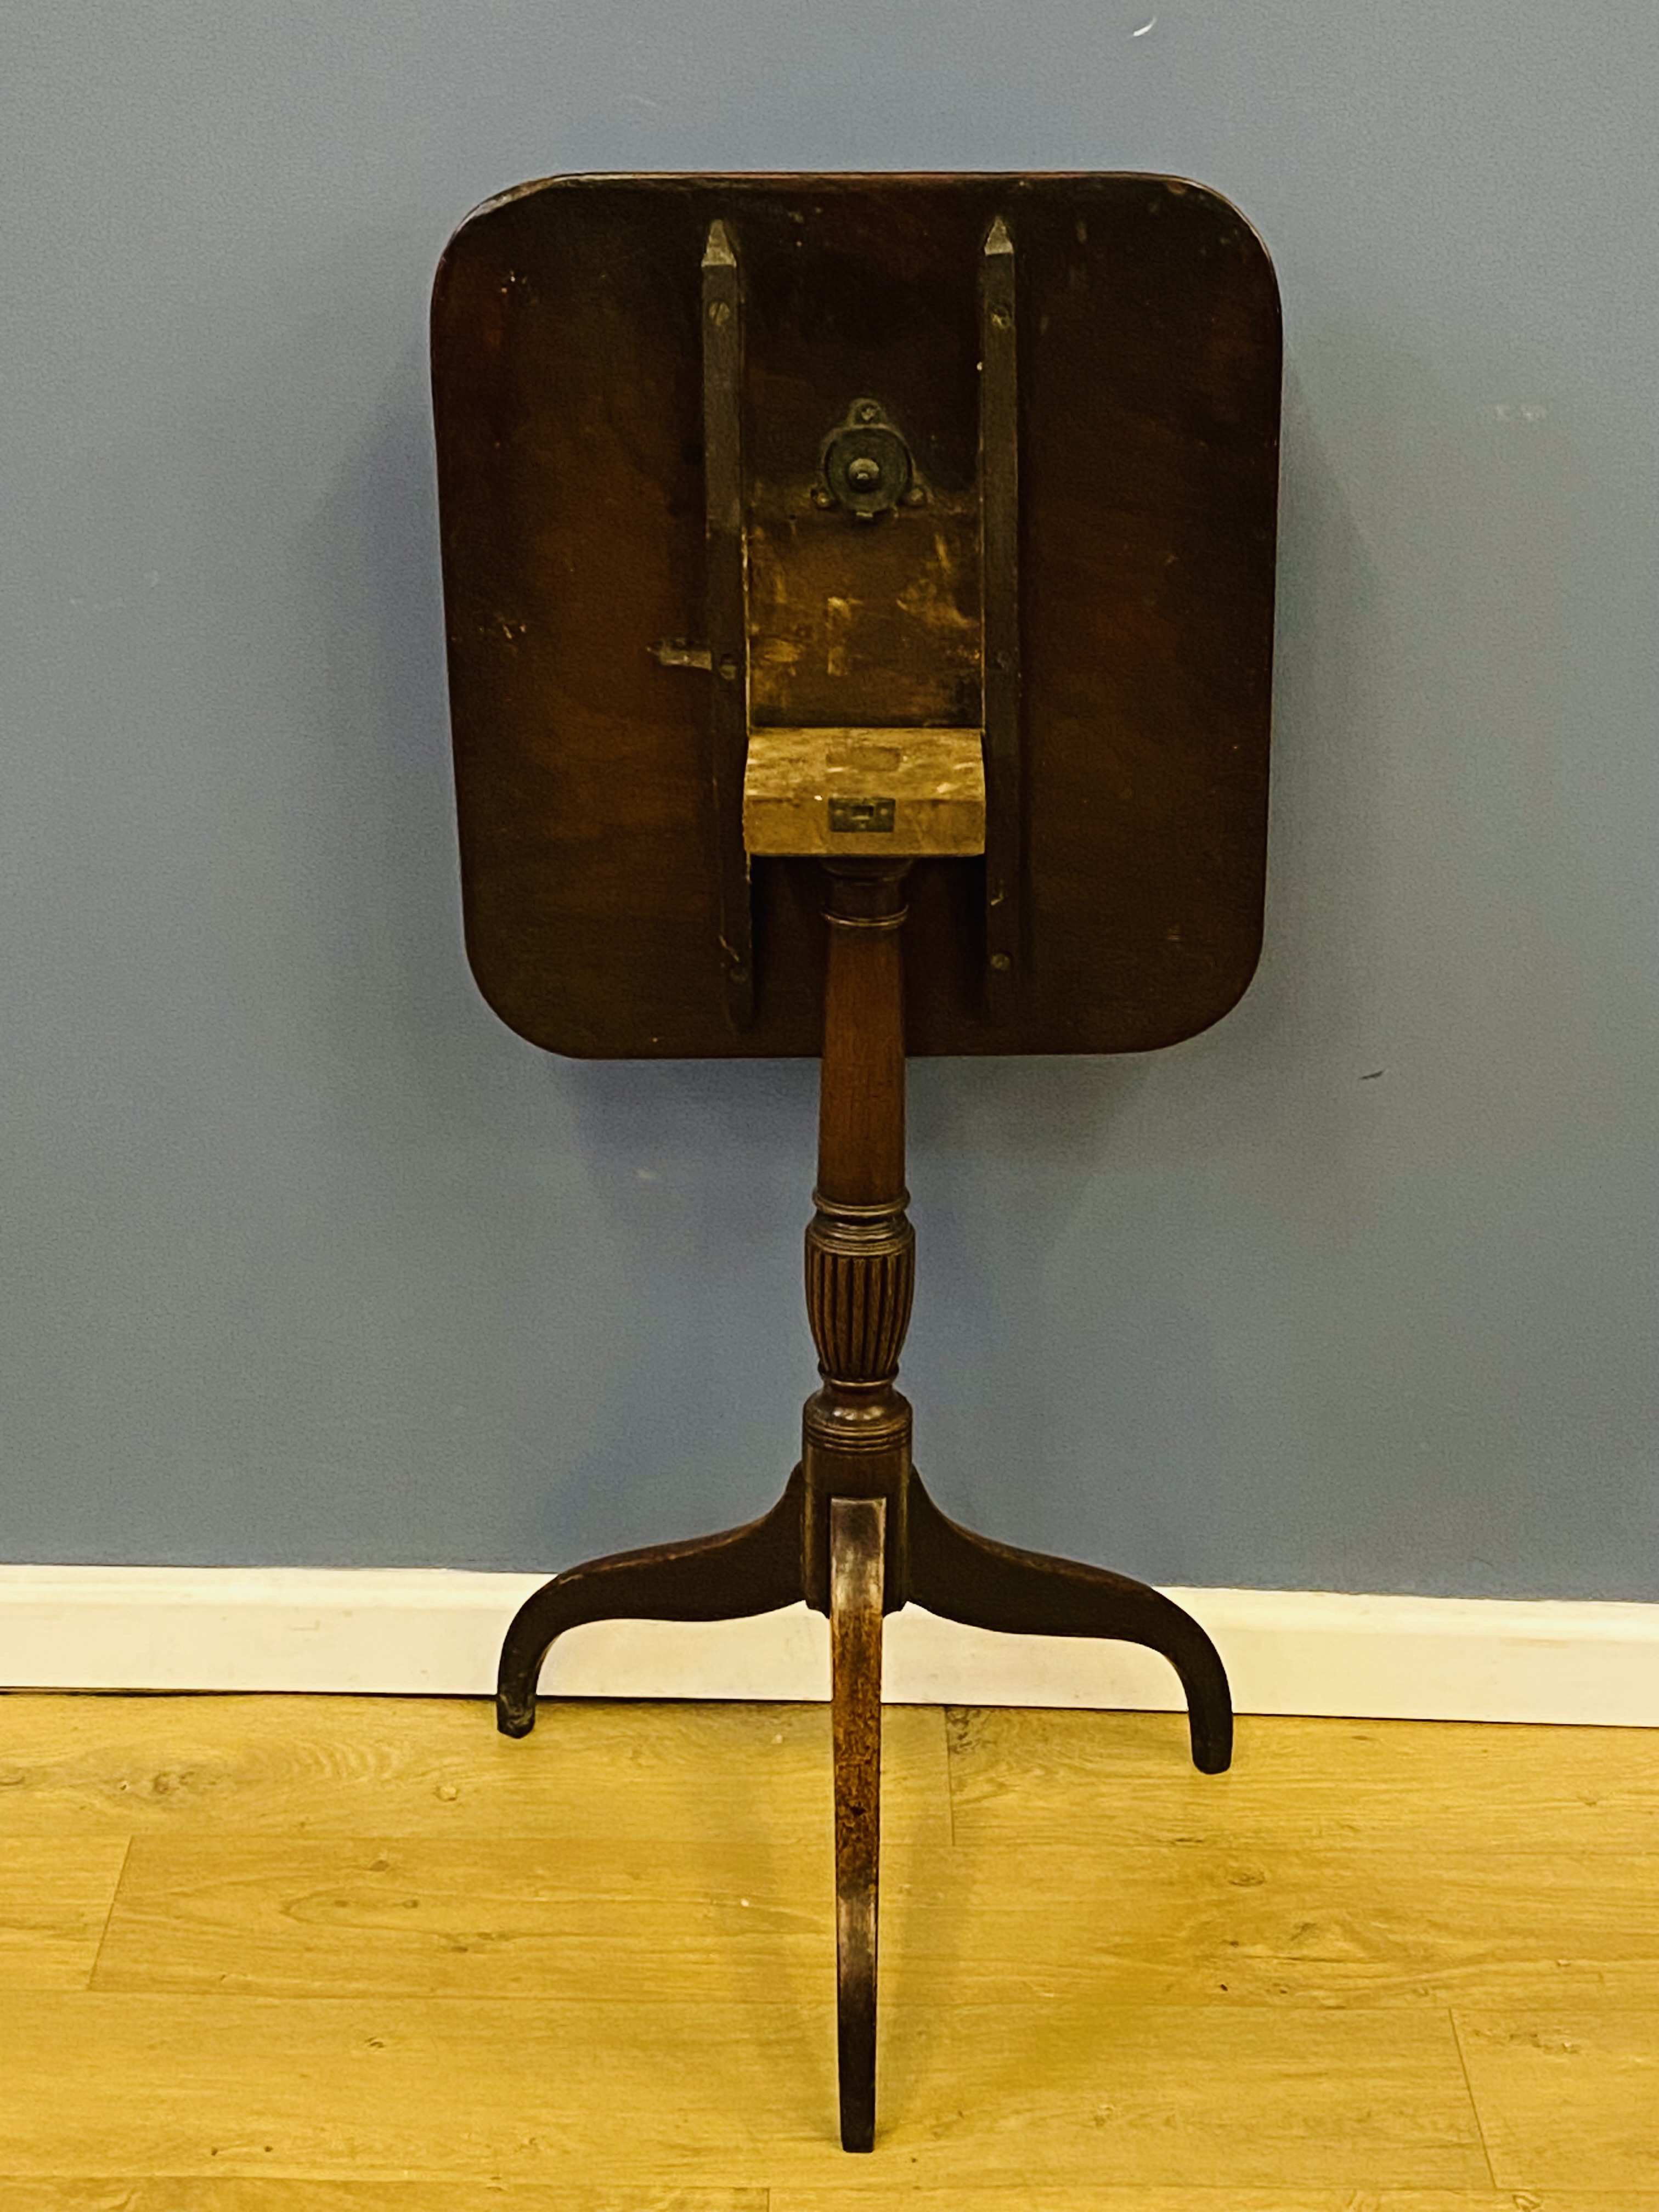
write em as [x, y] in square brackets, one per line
[944, 1713]
[109, 1913]
[950, 1721]
[1474, 2102]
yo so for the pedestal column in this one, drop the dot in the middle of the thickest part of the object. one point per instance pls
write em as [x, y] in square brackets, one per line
[860, 1248]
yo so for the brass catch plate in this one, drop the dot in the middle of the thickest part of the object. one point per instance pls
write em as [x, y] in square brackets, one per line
[864, 791]
[851, 818]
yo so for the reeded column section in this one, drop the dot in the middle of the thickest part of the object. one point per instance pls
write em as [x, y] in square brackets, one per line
[860, 1248]
[860, 1276]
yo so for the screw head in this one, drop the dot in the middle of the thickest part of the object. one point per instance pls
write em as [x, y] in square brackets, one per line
[864, 472]
[868, 411]
[1001, 962]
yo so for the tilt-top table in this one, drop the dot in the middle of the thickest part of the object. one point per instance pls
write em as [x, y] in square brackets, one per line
[859, 600]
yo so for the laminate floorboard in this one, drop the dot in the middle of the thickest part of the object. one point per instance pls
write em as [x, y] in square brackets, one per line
[231, 2193]
[733, 2095]
[85, 1766]
[724, 1917]
[176, 2193]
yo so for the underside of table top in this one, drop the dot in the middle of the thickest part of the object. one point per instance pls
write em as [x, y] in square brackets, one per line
[570, 370]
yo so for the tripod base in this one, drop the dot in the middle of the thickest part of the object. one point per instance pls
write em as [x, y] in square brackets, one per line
[854, 1533]
[941, 1566]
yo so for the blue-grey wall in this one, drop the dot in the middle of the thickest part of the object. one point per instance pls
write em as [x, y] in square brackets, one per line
[307, 1259]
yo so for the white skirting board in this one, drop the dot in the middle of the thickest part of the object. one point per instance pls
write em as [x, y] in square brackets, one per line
[426, 1632]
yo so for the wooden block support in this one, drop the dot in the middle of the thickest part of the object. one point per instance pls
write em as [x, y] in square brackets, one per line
[876, 794]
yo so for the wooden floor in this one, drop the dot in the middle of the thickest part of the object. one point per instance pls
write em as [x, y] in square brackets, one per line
[366, 1955]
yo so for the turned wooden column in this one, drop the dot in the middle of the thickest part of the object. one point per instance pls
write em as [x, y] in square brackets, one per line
[860, 1248]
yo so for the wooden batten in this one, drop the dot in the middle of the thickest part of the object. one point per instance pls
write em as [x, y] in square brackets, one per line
[876, 792]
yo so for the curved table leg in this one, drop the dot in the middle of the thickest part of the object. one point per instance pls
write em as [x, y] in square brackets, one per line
[970, 1578]
[858, 1535]
[754, 1568]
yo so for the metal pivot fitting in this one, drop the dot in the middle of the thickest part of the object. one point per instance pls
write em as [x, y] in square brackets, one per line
[866, 465]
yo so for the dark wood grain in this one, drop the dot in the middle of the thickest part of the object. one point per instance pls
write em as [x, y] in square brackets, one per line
[726, 613]
[857, 1546]
[861, 1089]
[568, 367]
[727, 1577]
[999, 501]
[860, 1248]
